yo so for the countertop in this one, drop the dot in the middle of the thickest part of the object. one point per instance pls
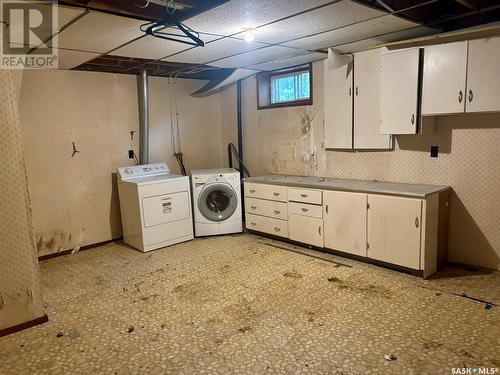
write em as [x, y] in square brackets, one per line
[358, 186]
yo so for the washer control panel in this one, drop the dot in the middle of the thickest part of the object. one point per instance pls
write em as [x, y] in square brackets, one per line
[136, 171]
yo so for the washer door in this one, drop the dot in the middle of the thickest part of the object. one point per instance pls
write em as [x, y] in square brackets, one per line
[217, 202]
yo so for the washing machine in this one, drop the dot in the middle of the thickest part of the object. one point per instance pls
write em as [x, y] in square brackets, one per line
[216, 201]
[155, 206]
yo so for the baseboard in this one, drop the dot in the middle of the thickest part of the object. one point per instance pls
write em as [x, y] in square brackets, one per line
[83, 248]
[25, 325]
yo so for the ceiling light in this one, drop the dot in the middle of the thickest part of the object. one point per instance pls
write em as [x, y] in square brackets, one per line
[249, 36]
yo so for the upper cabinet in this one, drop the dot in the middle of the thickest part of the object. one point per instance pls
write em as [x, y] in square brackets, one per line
[399, 92]
[444, 78]
[483, 75]
[352, 105]
[461, 77]
[367, 102]
[338, 106]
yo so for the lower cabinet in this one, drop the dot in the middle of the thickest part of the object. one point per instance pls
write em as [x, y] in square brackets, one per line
[306, 229]
[394, 230]
[344, 216]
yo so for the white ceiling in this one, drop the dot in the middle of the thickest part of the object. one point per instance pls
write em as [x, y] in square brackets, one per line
[215, 50]
[284, 32]
[323, 19]
[236, 15]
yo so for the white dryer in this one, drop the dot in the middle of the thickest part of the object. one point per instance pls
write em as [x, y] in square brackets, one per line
[155, 206]
[216, 201]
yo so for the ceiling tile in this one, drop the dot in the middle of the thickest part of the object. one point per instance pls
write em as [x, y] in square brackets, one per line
[238, 15]
[257, 56]
[99, 32]
[290, 61]
[215, 50]
[336, 15]
[150, 47]
[373, 42]
[68, 59]
[66, 14]
[363, 30]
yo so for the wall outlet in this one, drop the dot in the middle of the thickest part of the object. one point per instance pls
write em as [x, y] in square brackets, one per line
[130, 154]
[434, 151]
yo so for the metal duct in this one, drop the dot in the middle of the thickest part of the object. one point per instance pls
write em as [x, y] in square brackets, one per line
[143, 96]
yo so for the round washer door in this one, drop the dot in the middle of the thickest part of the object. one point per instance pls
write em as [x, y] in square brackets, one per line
[217, 202]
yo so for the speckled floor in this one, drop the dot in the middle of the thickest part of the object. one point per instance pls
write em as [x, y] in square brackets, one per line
[240, 304]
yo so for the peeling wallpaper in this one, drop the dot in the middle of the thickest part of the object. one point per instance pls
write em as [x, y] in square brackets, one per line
[20, 294]
[290, 141]
[75, 199]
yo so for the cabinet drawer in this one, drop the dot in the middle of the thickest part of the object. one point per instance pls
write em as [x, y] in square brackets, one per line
[305, 209]
[304, 195]
[262, 191]
[277, 210]
[306, 229]
[267, 225]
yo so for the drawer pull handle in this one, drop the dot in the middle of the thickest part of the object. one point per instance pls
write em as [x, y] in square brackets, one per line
[277, 212]
[252, 191]
[416, 222]
[471, 96]
[253, 207]
[326, 208]
[460, 96]
[253, 224]
[412, 118]
[319, 230]
[276, 229]
[303, 195]
[305, 209]
[276, 194]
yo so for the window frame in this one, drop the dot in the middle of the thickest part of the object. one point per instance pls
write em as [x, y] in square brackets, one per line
[265, 78]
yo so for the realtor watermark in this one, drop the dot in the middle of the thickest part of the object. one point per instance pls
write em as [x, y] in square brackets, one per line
[474, 371]
[29, 35]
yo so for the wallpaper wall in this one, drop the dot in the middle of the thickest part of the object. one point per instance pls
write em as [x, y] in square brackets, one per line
[75, 197]
[290, 141]
[20, 298]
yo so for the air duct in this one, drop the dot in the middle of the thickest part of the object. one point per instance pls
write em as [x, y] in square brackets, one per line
[143, 96]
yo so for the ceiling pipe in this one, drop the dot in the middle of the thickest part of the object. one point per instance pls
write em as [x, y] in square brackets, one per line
[143, 96]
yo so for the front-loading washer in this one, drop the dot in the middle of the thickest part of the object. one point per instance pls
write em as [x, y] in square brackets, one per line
[216, 201]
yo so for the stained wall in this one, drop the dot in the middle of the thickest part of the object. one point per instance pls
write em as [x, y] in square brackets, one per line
[290, 141]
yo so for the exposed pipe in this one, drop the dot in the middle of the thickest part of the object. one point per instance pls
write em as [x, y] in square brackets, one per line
[240, 129]
[143, 96]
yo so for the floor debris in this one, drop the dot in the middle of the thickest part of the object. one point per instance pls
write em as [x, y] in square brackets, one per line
[130, 329]
[60, 334]
[73, 335]
[390, 357]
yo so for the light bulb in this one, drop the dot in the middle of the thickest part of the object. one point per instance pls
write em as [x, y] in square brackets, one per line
[249, 36]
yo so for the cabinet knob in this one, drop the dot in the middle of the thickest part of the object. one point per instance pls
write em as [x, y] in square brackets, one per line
[412, 118]
[276, 194]
[319, 231]
[460, 96]
[277, 212]
[253, 224]
[349, 91]
[276, 229]
[417, 222]
[356, 90]
[252, 191]
[303, 195]
[471, 96]
[326, 208]
[253, 207]
[305, 209]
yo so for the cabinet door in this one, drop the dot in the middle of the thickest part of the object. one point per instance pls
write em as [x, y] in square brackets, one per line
[345, 221]
[306, 229]
[367, 102]
[338, 106]
[444, 77]
[394, 230]
[399, 85]
[483, 75]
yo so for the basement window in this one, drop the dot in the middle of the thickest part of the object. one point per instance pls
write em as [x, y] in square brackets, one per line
[285, 88]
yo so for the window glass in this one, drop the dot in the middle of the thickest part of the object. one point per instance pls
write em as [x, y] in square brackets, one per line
[290, 87]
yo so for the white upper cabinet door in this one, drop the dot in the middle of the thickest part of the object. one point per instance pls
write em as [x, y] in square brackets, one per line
[344, 216]
[483, 75]
[367, 102]
[399, 94]
[338, 106]
[444, 78]
[394, 230]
